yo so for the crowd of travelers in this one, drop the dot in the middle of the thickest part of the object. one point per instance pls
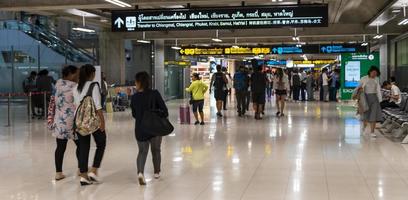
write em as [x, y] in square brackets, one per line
[76, 101]
[258, 84]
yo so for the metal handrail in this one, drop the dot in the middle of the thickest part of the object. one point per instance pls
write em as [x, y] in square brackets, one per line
[50, 39]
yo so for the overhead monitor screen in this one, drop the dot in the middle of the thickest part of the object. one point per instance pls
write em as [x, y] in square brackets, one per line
[352, 74]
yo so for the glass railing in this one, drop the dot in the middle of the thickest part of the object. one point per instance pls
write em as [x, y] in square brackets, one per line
[50, 39]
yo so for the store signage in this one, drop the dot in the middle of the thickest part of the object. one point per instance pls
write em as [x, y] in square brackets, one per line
[275, 62]
[221, 18]
[342, 48]
[315, 62]
[191, 51]
[276, 49]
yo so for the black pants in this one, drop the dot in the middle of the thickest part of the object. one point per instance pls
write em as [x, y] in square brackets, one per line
[303, 91]
[296, 92]
[333, 94]
[241, 101]
[248, 100]
[84, 144]
[224, 104]
[60, 151]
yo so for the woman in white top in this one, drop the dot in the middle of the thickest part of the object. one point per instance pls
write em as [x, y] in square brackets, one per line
[372, 90]
[86, 77]
[281, 86]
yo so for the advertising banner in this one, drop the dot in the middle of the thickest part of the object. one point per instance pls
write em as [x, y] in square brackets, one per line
[353, 67]
[243, 17]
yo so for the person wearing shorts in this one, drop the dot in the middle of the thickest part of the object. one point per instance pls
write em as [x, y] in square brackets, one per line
[281, 86]
[219, 81]
[197, 89]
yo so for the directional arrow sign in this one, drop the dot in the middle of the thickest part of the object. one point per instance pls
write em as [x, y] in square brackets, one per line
[323, 49]
[119, 22]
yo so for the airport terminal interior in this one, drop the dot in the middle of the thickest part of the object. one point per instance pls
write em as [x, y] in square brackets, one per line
[204, 99]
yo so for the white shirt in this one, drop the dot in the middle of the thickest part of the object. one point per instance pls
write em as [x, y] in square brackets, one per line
[395, 91]
[96, 95]
[325, 79]
[371, 86]
[285, 81]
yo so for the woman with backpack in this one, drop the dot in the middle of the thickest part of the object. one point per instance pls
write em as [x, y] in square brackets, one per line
[89, 90]
[62, 119]
[142, 101]
[197, 89]
[281, 85]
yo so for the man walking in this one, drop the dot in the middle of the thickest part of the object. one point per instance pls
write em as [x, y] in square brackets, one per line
[241, 83]
[219, 82]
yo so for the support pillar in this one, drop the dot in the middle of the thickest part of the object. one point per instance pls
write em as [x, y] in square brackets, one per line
[112, 57]
[159, 65]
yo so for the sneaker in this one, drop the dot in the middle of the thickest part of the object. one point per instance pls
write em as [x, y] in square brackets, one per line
[278, 113]
[197, 123]
[282, 114]
[219, 114]
[373, 135]
[156, 176]
[59, 176]
[93, 177]
[141, 179]
[85, 182]
[202, 123]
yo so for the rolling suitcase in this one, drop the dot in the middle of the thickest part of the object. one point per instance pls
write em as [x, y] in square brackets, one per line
[184, 114]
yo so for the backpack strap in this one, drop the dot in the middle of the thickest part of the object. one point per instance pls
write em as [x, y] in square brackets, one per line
[90, 89]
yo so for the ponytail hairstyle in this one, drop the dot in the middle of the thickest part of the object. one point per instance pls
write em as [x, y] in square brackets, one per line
[85, 73]
[68, 70]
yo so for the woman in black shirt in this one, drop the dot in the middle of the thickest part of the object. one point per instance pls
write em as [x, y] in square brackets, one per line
[140, 103]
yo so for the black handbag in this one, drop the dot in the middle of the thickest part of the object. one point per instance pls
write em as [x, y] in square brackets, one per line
[153, 120]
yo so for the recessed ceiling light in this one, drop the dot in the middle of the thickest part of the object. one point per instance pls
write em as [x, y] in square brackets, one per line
[83, 30]
[119, 3]
[173, 6]
[216, 40]
[80, 13]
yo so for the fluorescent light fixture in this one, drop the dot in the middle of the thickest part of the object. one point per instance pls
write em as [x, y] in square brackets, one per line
[83, 30]
[173, 6]
[235, 47]
[216, 39]
[405, 20]
[364, 44]
[176, 47]
[396, 11]
[378, 37]
[80, 13]
[119, 3]
[144, 39]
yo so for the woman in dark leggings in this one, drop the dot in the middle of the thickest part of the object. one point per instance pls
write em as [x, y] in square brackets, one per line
[63, 119]
[142, 101]
[85, 85]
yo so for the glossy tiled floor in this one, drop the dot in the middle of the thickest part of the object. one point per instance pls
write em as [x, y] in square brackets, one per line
[314, 153]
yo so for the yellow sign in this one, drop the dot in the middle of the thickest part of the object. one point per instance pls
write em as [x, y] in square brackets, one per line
[225, 51]
[316, 62]
[201, 51]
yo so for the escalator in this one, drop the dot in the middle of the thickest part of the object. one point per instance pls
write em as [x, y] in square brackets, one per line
[51, 40]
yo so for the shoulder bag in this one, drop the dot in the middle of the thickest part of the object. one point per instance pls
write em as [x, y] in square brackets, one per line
[154, 122]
